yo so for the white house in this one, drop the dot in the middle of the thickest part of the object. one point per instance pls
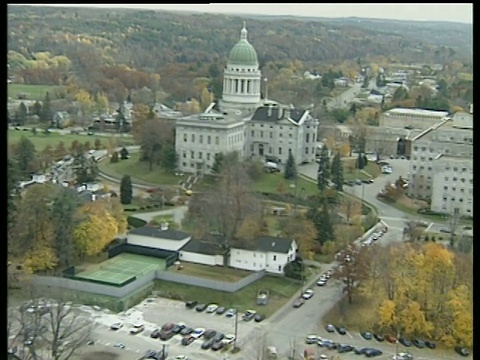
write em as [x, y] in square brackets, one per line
[201, 252]
[158, 238]
[269, 253]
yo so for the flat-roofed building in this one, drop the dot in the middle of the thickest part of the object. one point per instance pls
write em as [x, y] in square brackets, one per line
[412, 118]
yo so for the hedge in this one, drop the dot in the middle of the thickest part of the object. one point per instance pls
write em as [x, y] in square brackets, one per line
[135, 222]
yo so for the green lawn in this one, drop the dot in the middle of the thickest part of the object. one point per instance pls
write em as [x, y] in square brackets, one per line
[211, 272]
[270, 183]
[41, 140]
[34, 92]
[350, 173]
[139, 171]
[281, 290]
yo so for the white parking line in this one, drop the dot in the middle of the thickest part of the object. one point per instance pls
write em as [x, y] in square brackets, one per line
[107, 344]
[351, 337]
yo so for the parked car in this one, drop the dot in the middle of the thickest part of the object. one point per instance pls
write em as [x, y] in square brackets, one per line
[344, 348]
[230, 312]
[367, 335]
[333, 346]
[210, 333]
[116, 326]
[390, 339]
[179, 327]
[119, 346]
[217, 345]
[259, 317]
[186, 331]
[430, 344]
[218, 337]
[403, 356]
[207, 344]
[249, 315]
[321, 282]
[228, 339]
[166, 335]
[418, 343]
[308, 294]
[187, 340]
[311, 339]
[299, 302]
[198, 332]
[372, 353]
[191, 304]
[341, 330]
[155, 334]
[221, 310]
[360, 351]
[404, 341]
[462, 351]
[379, 337]
[137, 329]
[330, 328]
[211, 308]
[167, 327]
[201, 307]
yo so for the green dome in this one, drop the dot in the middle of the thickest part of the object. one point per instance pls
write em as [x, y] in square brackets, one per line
[243, 53]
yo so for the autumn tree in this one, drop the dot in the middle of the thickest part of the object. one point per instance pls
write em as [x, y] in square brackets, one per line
[323, 173]
[95, 230]
[290, 168]
[86, 104]
[337, 172]
[24, 154]
[126, 190]
[353, 269]
[33, 233]
[225, 207]
[57, 325]
[319, 214]
[64, 207]
[303, 231]
[152, 136]
[351, 207]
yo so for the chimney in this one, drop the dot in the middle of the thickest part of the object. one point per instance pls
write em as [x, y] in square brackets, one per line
[287, 113]
[471, 109]
[164, 226]
[269, 111]
[273, 244]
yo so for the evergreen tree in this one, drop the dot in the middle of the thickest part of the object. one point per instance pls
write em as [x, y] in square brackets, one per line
[46, 115]
[37, 108]
[114, 158]
[320, 216]
[22, 113]
[126, 191]
[290, 167]
[169, 157]
[124, 153]
[361, 161]
[323, 174]
[25, 154]
[86, 170]
[12, 179]
[218, 162]
[337, 172]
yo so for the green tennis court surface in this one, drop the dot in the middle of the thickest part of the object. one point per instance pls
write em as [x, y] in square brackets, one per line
[122, 267]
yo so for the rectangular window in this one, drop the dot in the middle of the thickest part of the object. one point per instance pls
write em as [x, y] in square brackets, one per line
[200, 155]
[185, 137]
[208, 156]
[271, 135]
[201, 139]
[217, 140]
[209, 139]
[193, 138]
[261, 134]
[274, 257]
[184, 154]
[253, 133]
[192, 155]
[308, 138]
[306, 150]
[279, 151]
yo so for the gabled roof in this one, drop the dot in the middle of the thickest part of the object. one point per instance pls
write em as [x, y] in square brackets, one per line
[156, 232]
[267, 244]
[202, 247]
[275, 113]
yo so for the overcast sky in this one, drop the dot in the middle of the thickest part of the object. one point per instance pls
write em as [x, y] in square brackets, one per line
[461, 12]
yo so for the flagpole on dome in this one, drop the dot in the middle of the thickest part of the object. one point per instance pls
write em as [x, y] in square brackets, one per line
[266, 88]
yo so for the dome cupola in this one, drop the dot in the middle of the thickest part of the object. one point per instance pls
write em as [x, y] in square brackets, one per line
[243, 53]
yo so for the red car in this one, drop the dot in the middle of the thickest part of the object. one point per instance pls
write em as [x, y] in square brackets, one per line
[299, 302]
[391, 339]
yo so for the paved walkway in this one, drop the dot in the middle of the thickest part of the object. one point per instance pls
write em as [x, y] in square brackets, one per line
[177, 212]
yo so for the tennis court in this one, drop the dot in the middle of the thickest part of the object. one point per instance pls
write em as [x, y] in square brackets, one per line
[122, 267]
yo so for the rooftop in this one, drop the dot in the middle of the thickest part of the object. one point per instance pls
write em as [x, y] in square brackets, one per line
[418, 112]
[157, 232]
[203, 247]
[275, 113]
[267, 244]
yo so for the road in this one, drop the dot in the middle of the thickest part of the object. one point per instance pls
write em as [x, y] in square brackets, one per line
[343, 100]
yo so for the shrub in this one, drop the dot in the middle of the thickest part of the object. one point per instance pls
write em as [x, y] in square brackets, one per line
[135, 222]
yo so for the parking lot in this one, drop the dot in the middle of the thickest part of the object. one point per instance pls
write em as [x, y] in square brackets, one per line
[155, 312]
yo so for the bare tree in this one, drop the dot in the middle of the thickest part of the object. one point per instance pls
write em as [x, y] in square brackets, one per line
[47, 329]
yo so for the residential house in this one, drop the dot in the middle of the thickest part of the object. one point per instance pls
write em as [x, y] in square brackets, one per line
[267, 253]
[158, 238]
[202, 252]
[375, 97]
[61, 119]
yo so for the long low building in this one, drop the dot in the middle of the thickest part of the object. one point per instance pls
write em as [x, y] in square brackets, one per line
[412, 118]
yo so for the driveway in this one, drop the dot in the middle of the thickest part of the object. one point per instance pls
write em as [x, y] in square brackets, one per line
[177, 212]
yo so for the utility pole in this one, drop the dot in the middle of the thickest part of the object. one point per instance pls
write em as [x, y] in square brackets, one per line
[164, 355]
[453, 225]
[236, 330]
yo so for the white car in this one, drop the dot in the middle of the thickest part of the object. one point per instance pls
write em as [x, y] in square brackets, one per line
[322, 282]
[308, 294]
[211, 308]
[228, 339]
[116, 326]
[403, 356]
[137, 329]
[230, 312]
[311, 339]
[198, 332]
[181, 357]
